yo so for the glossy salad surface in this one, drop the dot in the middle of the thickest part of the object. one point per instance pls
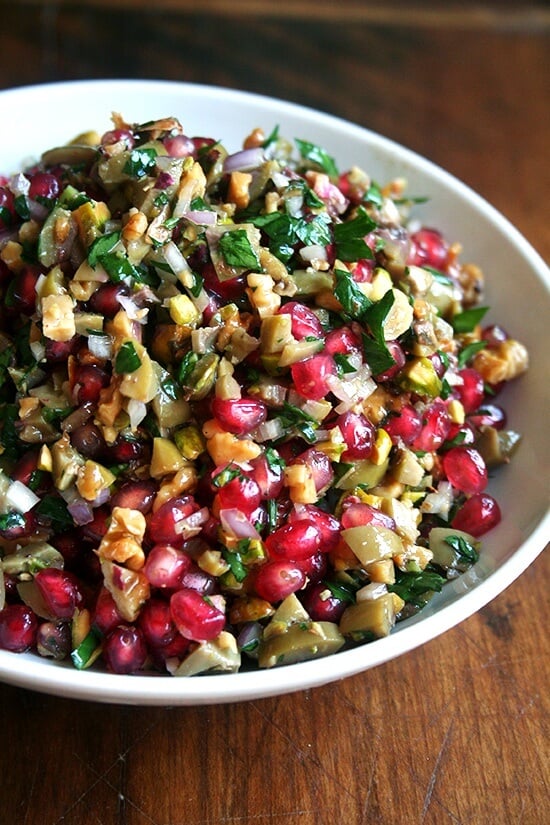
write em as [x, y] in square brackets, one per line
[249, 405]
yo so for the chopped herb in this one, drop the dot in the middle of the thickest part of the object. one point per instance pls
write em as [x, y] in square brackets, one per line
[273, 137]
[198, 283]
[349, 237]
[9, 414]
[237, 250]
[22, 207]
[376, 352]
[343, 365]
[199, 204]
[438, 275]
[54, 509]
[235, 565]
[446, 389]
[118, 267]
[311, 198]
[318, 156]
[374, 195]
[186, 367]
[226, 475]
[343, 591]
[103, 245]
[127, 359]
[468, 320]
[274, 460]
[5, 360]
[142, 162]
[271, 506]
[170, 388]
[53, 415]
[469, 351]
[347, 291]
[83, 655]
[415, 587]
[464, 548]
[11, 520]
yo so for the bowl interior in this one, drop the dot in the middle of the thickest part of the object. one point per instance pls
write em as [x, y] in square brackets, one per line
[517, 293]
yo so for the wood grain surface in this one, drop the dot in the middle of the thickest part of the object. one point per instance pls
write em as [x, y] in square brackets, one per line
[457, 731]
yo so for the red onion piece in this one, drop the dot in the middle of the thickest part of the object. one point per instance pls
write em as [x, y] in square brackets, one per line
[244, 161]
[235, 523]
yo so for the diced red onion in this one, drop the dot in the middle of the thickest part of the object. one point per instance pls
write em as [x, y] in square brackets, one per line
[280, 180]
[249, 637]
[177, 262]
[371, 591]
[440, 501]
[314, 252]
[244, 161]
[269, 430]
[102, 497]
[235, 523]
[137, 411]
[37, 211]
[192, 525]
[20, 497]
[130, 307]
[202, 217]
[80, 509]
[19, 185]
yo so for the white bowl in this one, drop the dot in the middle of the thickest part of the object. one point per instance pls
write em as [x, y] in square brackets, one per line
[39, 117]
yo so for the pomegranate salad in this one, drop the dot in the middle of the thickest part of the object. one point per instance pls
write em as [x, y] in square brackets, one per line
[248, 404]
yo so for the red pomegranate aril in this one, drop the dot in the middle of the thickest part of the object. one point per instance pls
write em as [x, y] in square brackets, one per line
[229, 290]
[360, 514]
[320, 466]
[44, 185]
[295, 541]
[25, 468]
[195, 616]
[199, 580]
[18, 628]
[127, 449]
[327, 524]
[57, 352]
[89, 380]
[60, 591]
[465, 469]
[404, 426]
[438, 364]
[398, 354]
[321, 604]
[461, 435]
[124, 650]
[166, 566]
[268, 475]
[240, 493]
[24, 290]
[105, 300]
[178, 146]
[478, 515]
[53, 640]
[310, 376]
[494, 335]
[97, 527]
[105, 615]
[114, 136]
[429, 249]
[342, 341]
[162, 526]
[305, 322]
[358, 434]
[88, 440]
[156, 624]
[314, 567]
[363, 269]
[472, 390]
[436, 425]
[275, 580]
[8, 215]
[135, 495]
[239, 415]
[26, 528]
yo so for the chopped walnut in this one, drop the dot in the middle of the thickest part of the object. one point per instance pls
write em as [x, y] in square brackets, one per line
[122, 541]
[503, 362]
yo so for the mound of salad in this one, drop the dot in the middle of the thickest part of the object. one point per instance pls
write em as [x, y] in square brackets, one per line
[248, 405]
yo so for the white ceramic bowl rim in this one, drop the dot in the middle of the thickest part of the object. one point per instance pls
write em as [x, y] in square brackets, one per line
[29, 671]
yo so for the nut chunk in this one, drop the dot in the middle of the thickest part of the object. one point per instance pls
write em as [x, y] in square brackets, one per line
[503, 362]
[58, 321]
[122, 541]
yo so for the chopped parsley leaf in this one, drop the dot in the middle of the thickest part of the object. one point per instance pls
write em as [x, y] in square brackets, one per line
[237, 250]
[317, 155]
[127, 359]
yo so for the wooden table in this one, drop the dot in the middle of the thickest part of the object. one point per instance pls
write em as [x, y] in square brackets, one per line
[457, 731]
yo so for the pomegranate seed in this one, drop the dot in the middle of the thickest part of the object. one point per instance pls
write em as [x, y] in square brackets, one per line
[60, 591]
[438, 364]
[239, 415]
[229, 290]
[296, 540]
[404, 426]
[241, 493]
[319, 465]
[436, 425]
[155, 622]
[429, 249]
[363, 269]
[275, 580]
[88, 440]
[88, 382]
[314, 567]
[321, 604]
[478, 515]
[472, 390]
[304, 321]
[135, 495]
[342, 341]
[163, 524]
[105, 300]
[465, 469]
[26, 525]
[18, 628]
[494, 335]
[53, 639]
[8, 215]
[57, 352]
[195, 616]
[123, 136]
[166, 566]
[398, 354]
[44, 185]
[358, 433]
[124, 650]
[268, 475]
[199, 580]
[97, 527]
[105, 615]
[25, 468]
[360, 514]
[24, 290]
[460, 435]
[327, 524]
[310, 376]
[127, 449]
[178, 146]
